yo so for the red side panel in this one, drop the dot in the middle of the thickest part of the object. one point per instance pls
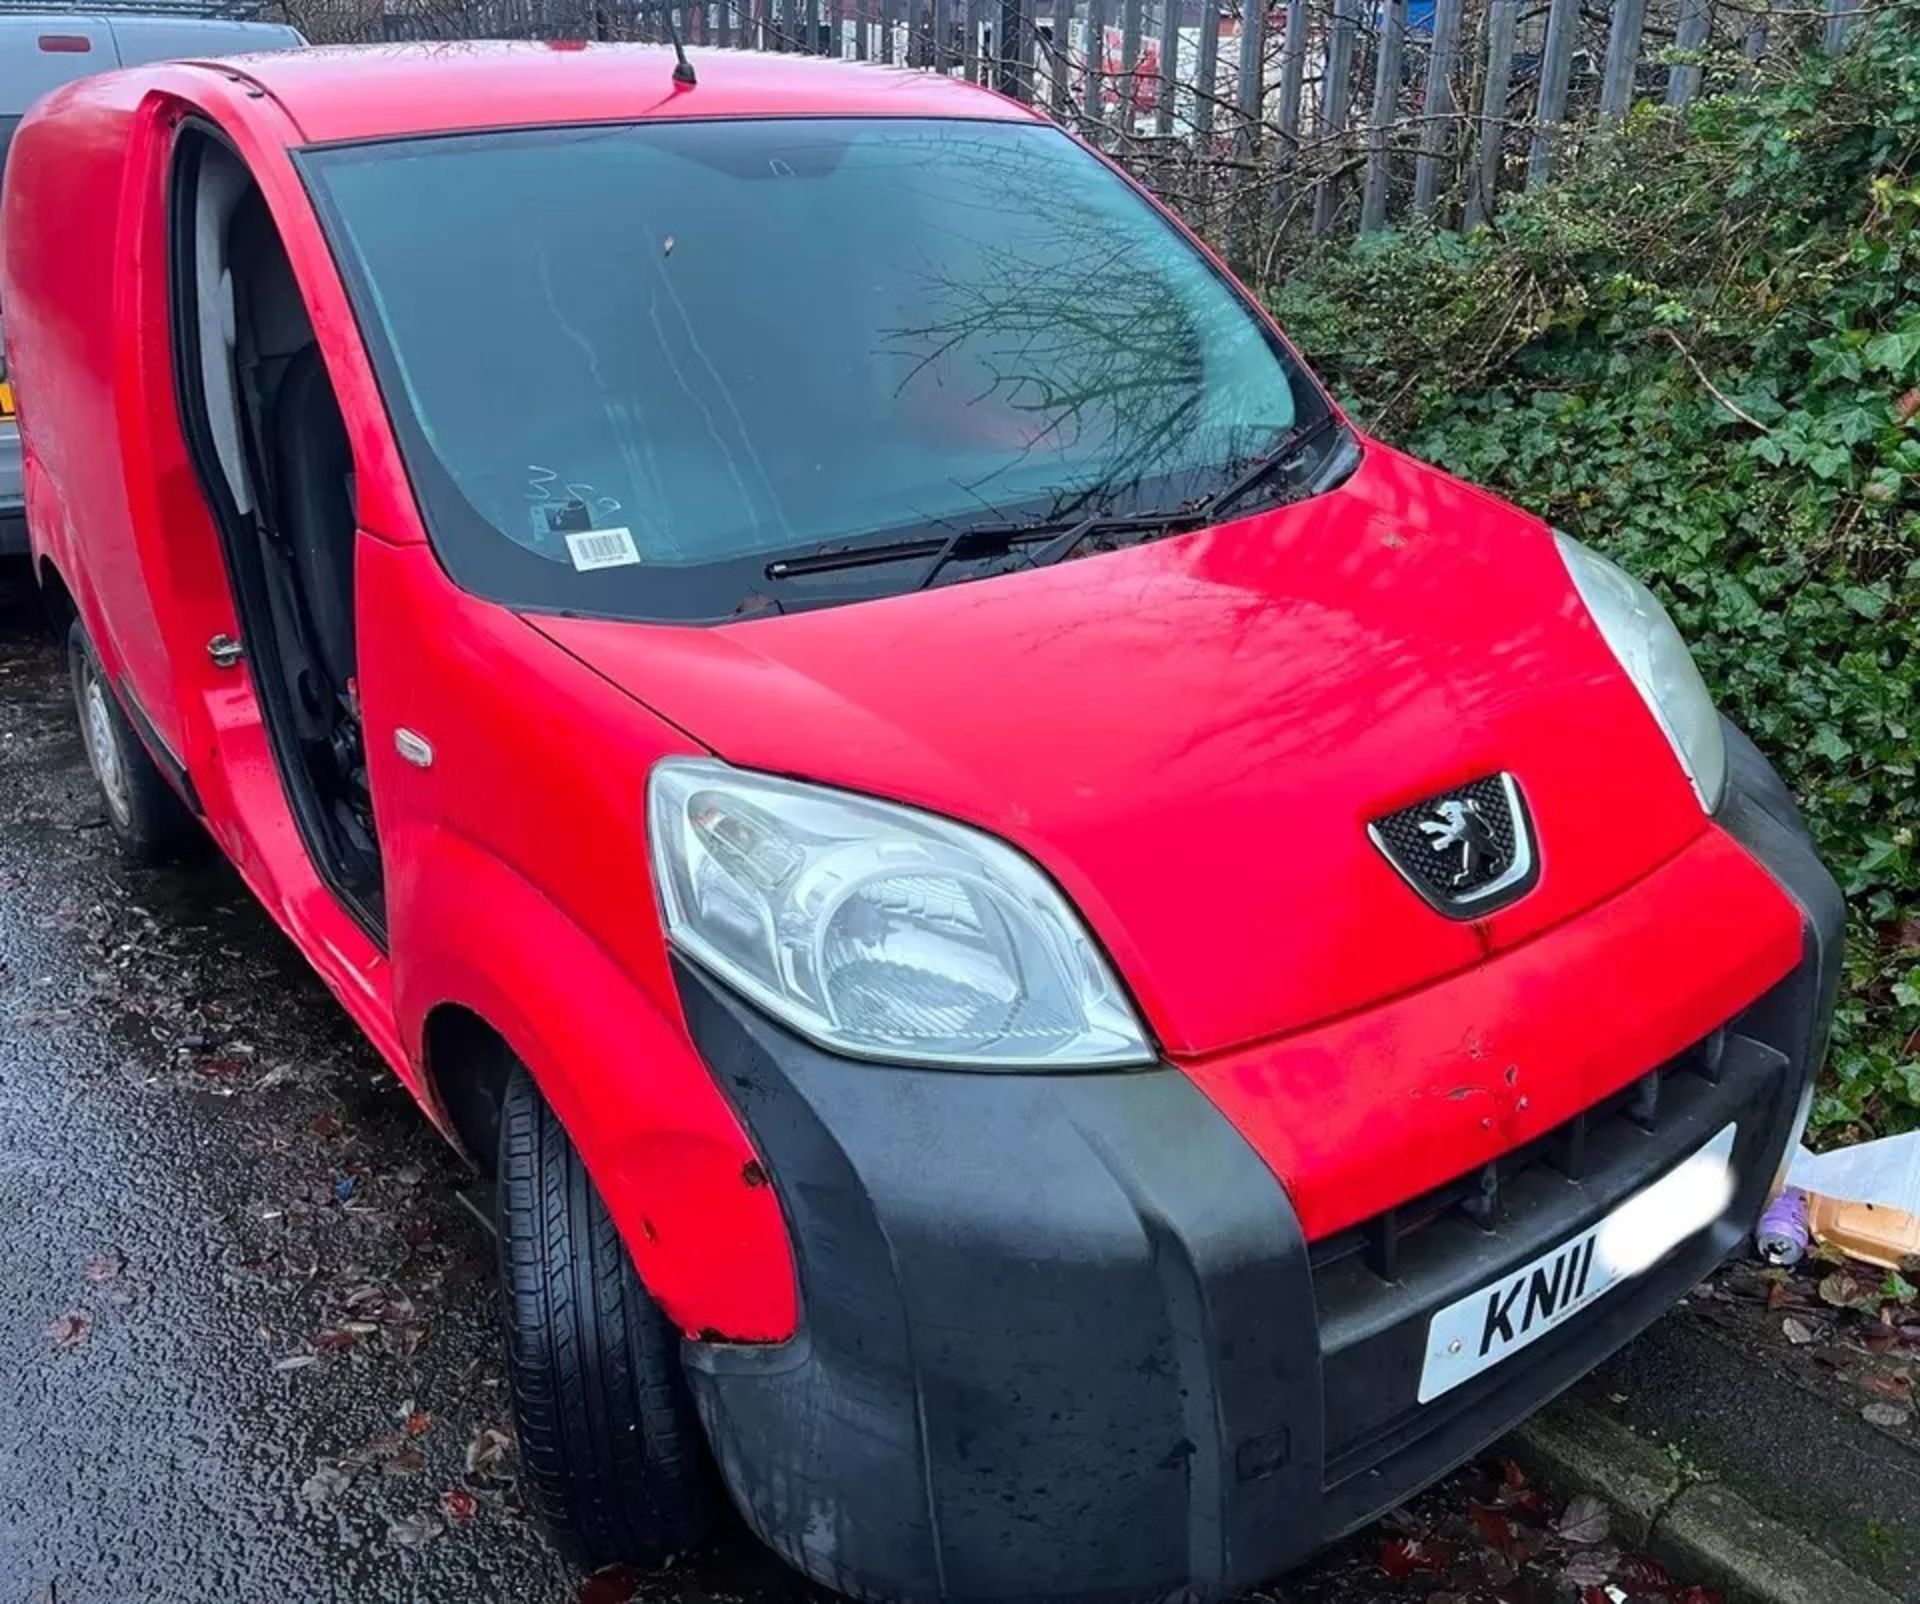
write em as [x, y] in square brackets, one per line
[67, 262]
[1376, 1108]
[518, 888]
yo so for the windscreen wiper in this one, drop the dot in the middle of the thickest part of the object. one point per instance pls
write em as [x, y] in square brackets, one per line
[1285, 453]
[831, 560]
[1060, 535]
[1066, 534]
[839, 557]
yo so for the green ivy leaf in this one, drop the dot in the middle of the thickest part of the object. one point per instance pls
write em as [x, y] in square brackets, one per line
[1869, 601]
[1894, 353]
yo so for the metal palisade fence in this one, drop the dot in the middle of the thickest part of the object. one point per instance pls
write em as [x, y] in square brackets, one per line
[1263, 126]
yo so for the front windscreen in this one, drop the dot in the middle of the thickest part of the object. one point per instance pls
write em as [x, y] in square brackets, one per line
[631, 366]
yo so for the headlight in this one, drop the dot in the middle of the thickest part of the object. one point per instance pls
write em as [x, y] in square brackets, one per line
[1636, 626]
[877, 930]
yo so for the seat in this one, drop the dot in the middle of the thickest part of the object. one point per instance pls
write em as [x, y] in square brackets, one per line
[313, 489]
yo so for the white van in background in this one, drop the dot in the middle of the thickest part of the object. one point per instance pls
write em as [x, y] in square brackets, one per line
[42, 47]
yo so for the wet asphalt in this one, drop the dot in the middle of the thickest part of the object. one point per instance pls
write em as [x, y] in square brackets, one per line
[248, 1346]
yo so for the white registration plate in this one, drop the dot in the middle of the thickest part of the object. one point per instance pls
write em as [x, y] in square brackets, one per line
[1476, 1332]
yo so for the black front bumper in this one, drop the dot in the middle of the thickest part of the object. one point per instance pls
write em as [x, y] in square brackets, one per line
[1063, 1338]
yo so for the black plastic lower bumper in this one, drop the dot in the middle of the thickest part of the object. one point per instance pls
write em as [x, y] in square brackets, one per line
[1063, 1339]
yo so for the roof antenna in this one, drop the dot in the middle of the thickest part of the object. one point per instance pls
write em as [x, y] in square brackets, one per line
[682, 68]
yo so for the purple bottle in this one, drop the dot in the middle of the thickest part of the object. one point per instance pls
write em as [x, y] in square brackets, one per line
[1782, 1233]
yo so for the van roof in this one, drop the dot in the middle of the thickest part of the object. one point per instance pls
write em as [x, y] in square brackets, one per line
[354, 92]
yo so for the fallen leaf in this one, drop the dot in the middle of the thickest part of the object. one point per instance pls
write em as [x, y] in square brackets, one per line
[1798, 1332]
[103, 1266]
[372, 1453]
[1406, 1556]
[1643, 1574]
[459, 1504]
[414, 1531]
[1845, 1290]
[1899, 1387]
[404, 1462]
[1885, 1414]
[1493, 1527]
[333, 1341]
[418, 1423]
[71, 1329]
[487, 1453]
[324, 1486]
[614, 1585]
[296, 1361]
[1592, 1568]
[1586, 1521]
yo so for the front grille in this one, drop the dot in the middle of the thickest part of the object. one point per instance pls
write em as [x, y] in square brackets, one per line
[1377, 1284]
[1476, 1196]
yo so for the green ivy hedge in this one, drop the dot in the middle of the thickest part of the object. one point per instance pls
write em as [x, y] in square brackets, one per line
[1700, 352]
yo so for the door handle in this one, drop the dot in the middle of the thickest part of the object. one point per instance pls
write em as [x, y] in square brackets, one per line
[225, 651]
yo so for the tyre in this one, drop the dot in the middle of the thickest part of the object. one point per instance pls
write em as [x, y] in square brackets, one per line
[149, 821]
[611, 1452]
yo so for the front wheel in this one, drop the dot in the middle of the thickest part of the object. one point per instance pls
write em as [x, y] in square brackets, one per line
[611, 1453]
[149, 821]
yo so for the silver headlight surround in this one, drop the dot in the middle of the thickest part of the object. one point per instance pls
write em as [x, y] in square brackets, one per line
[1653, 654]
[863, 924]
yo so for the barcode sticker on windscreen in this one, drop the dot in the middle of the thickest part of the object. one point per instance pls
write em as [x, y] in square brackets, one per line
[602, 548]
